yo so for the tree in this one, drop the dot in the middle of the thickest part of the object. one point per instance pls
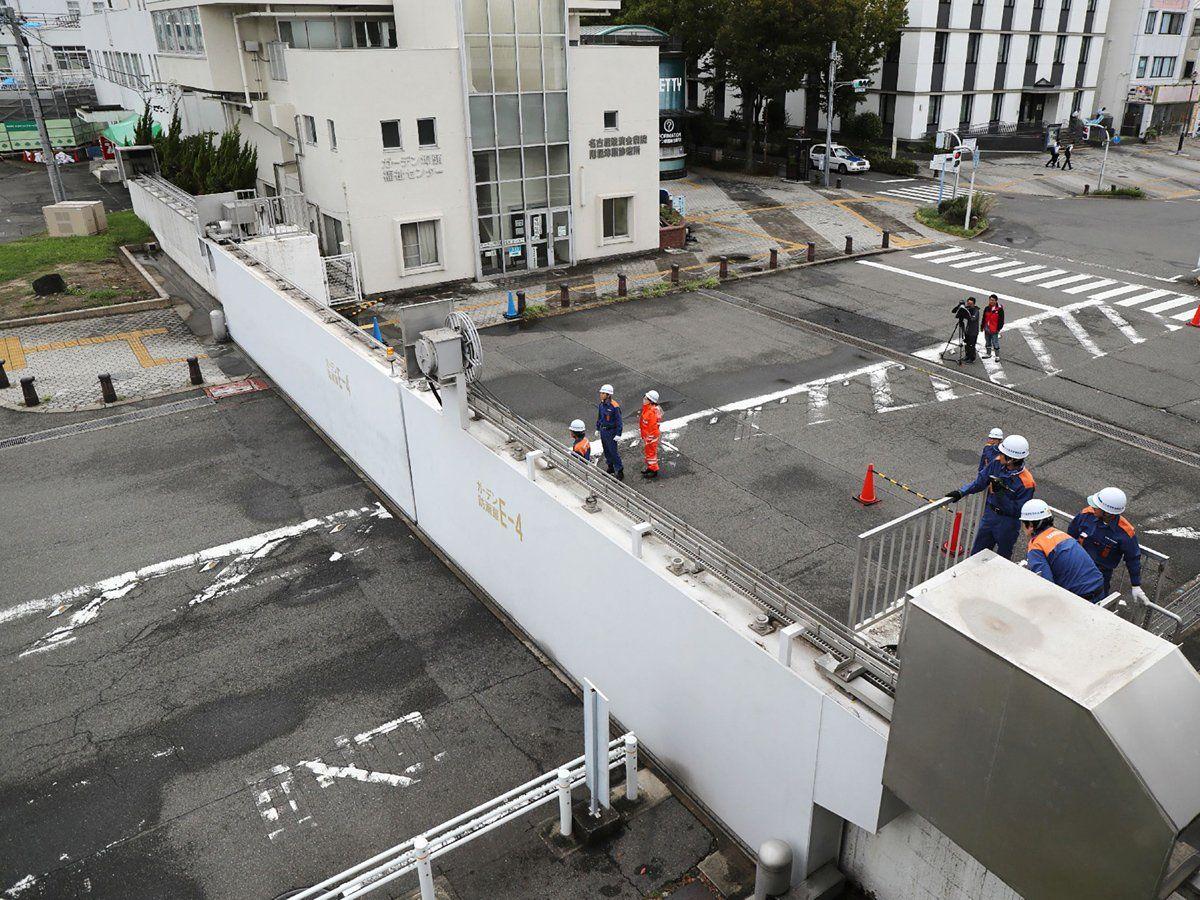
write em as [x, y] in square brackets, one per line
[143, 131]
[765, 48]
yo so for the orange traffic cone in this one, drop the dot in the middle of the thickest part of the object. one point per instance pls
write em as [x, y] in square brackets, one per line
[1196, 318]
[867, 497]
[953, 547]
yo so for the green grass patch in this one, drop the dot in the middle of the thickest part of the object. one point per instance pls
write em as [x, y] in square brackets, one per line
[929, 216]
[1114, 191]
[41, 253]
[533, 312]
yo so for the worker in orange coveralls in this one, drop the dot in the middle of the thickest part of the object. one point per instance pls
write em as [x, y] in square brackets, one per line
[650, 421]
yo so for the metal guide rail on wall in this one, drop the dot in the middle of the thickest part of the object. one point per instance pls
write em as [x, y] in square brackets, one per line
[778, 601]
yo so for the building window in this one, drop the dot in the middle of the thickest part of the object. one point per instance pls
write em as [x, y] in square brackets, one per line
[419, 241]
[973, 47]
[97, 6]
[1171, 23]
[1009, 4]
[1188, 68]
[1077, 103]
[997, 107]
[1060, 48]
[70, 58]
[1037, 4]
[337, 34]
[1085, 50]
[939, 47]
[332, 134]
[332, 235]
[935, 112]
[892, 55]
[1005, 44]
[610, 120]
[616, 218]
[1143, 61]
[73, 9]
[966, 111]
[426, 132]
[391, 134]
[178, 31]
[310, 130]
[1091, 5]
[1196, 25]
[1162, 67]
[1066, 6]
[1150, 18]
[1032, 53]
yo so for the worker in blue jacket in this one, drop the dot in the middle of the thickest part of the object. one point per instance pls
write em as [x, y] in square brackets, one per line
[1109, 538]
[991, 448]
[1009, 485]
[608, 424]
[1057, 558]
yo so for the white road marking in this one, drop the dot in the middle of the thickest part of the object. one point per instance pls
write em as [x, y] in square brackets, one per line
[1142, 298]
[1048, 273]
[1039, 349]
[1081, 335]
[1083, 288]
[943, 389]
[895, 180]
[974, 262]
[958, 256]
[1186, 532]
[1075, 261]
[326, 774]
[415, 719]
[119, 585]
[1012, 273]
[21, 886]
[881, 390]
[962, 287]
[1070, 279]
[1171, 304]
[1122, 325]
[1186, 316]
[931, 254]
[818, 404]
[997, 267]
[1117, 292]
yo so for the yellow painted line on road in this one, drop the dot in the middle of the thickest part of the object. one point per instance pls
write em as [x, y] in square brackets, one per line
[897, 239]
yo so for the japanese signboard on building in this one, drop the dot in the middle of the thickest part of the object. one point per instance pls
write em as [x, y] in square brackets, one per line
[616, 145]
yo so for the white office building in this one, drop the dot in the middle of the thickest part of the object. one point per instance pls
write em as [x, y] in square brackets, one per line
[440, 140]
[1150, 66]
[55, 43]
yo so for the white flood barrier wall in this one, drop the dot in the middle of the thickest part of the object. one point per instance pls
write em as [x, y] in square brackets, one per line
[176, 233]
[773, 751]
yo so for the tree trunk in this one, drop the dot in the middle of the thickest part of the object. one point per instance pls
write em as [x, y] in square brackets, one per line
[749, 102]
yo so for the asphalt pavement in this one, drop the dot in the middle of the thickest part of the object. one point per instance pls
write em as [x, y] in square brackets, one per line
[25, 189]
[228, 672]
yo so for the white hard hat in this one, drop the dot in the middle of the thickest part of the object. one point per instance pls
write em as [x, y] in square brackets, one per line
[652, 396]
[996, 434]
[606, 389]
[577, 425]
[1014, 447]
[1110, 499]
[1034, 511]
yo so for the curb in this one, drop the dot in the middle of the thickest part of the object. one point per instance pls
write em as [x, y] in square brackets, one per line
[94, 312]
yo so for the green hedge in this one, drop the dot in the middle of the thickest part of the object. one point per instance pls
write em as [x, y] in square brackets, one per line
[899, 166]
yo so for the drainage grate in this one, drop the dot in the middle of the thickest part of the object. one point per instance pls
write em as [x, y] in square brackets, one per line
[153, 412]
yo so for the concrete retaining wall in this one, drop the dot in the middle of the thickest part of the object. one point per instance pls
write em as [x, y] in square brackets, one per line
[176, 234]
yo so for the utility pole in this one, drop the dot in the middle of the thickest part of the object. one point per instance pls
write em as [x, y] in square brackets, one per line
[829, 108]
[1188, 121]
[8, 16]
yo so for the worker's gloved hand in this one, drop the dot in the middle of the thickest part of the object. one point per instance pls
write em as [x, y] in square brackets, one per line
[955, 495]
[1139, 595]
[999, 485]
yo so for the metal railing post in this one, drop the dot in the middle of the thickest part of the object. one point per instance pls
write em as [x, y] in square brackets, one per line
[424, 869]
[631, 767]
[564, 802]
[531, 459]
[636, 533]
[855, 583]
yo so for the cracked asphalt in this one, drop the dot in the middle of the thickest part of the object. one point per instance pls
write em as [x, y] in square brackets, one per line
[172, 733]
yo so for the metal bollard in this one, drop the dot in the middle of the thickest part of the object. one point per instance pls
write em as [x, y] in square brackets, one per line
[724, 270]
[424, 869]
[195, 376]
[774, 263]
[839, 184]
[631, 767]
[520, 303]
[564, 295]
[887, 239]
[812, 251]
[564, 802]
[107, 391]
[1086, 188]
[849, 245]
[3, 376]
[674, 273]
[773, 873]
[622, 285]
[29, 391]
[216, 319]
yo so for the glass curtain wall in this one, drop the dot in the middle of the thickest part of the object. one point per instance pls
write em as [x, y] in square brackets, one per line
[516, 52]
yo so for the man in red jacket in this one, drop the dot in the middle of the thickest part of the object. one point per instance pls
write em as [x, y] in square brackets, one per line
[650, 420]
[993, 321]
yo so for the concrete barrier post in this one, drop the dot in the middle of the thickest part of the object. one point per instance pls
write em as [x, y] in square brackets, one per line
[636, 533]
[564, 295]
[3, 376]
[622, 285]
[849, 245]
[220, 332]
[531, 459]
[564, 802]
[29, 391]
[773, 874]
[774, 263]
[887, 239]
[424, 869]
[812, 251]
[195, 376]
[839, 184]
[631, 767]
[674, 273]
[520, 303]
[107, 391]
[724, 269]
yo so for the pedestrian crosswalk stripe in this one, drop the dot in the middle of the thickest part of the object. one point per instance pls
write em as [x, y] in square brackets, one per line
[995, 370]
[974, 262]
[1174, 303]
[935, 253]
[997, 268]
[1123, 326]
[1040, 275]
[1059, 282]
[1011, 273]
[1117, 292]
[946, 259]
[1186, 315]
[1142, 298]
[1081, 335]
[1040, 353]
[1080, 288]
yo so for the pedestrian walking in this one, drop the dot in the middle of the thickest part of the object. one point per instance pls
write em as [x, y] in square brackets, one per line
[1053, 555]
[1109, 538]
[991, 448]
[1009, 486]
[1066, 157]
[609, 427]
[993, 323]
[968, 318]
[1052, 162]
[650, 422]
[580, 445]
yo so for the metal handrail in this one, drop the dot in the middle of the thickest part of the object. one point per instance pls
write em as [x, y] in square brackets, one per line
[779, 601]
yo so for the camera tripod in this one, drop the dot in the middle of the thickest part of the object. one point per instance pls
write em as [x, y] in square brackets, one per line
[956, 345]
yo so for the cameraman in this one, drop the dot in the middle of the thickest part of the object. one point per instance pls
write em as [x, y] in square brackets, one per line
[968, 322]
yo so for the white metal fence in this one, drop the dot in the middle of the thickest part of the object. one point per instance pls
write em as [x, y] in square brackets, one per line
[341, 278]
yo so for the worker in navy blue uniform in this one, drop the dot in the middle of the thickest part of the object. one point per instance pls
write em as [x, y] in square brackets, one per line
[580, 445]
[1108, 537]
[991, 448]
[608, 424]
[1057, 558]
[1009, 485]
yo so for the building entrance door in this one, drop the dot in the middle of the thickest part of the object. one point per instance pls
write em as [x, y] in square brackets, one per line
[1033, 108]
[537, 229]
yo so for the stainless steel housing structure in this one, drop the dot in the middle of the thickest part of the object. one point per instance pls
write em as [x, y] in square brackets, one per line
[1055, 742]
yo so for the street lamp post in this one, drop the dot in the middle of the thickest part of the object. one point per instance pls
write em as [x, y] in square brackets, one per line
[1191, 110]
[859, 85]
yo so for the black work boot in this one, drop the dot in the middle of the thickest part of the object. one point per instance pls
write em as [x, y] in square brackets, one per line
[620, 474]
[650, 473]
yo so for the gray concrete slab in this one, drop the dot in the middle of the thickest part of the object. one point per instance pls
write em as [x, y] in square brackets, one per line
[25, 189]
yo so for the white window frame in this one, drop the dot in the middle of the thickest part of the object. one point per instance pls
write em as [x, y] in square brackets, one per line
[616, 125]
[310, 129]
[420, 145]
[332, 129]
[630, 217]
[436, 218]
[399, 136]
